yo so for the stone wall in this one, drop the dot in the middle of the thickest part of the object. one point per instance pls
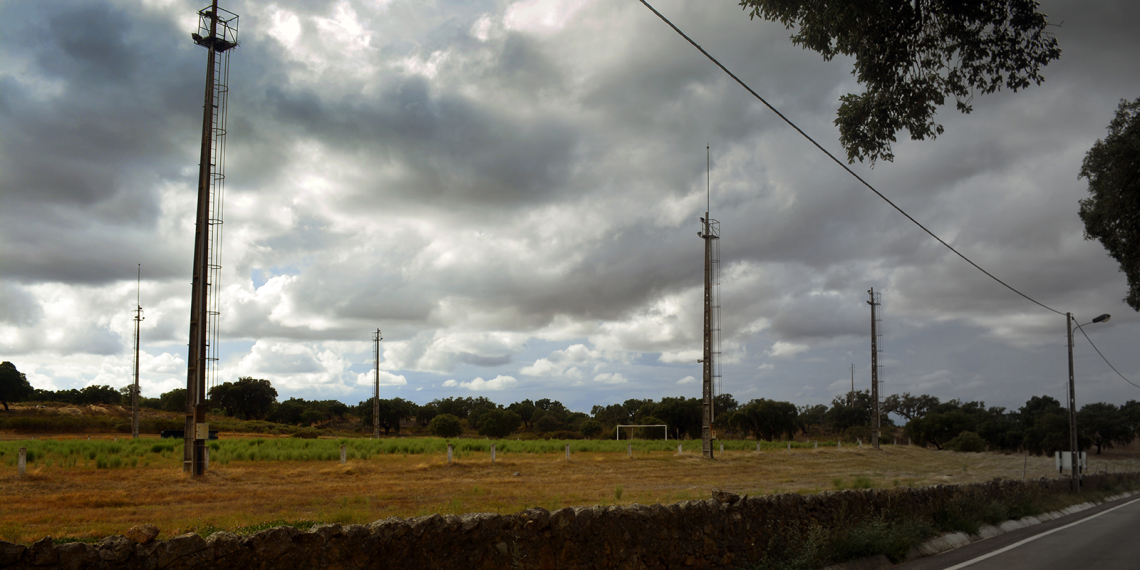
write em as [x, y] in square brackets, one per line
[723, 532]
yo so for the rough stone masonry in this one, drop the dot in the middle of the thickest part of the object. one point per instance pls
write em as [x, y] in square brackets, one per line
[723, 532]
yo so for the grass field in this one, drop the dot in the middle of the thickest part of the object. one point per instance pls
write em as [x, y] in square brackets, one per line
[84, 489]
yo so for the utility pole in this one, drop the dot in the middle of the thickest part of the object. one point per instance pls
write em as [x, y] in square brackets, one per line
[1074, 454]
[135, 388]
[710, 232]
[376, 392]
[851, 394]
[874, 302]
[196, 431]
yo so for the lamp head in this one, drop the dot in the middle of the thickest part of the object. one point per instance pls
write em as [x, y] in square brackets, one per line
[1102, 319]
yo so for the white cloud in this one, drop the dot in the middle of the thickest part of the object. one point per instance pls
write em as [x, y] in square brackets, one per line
[386, 379]
[495, 384]
[542, 15]
[781, 349]
[687, 380]
[610, 378]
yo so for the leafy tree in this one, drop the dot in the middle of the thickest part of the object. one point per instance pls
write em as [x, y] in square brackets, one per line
[590, 428]
[682, 415]
[289, 412]
[497, 424]
[250, 398]
[843, 415]
[811, 416]
[425, 414]
[611, 415]
[174, 400]
[1104, 425]
[525, 410]
[457, 407]
[767, 419]
[445, 425]
[547, 423]
[910, 56]
[941, 425]
[907, 406]
[392, 412]
[724, 404]
[1046, 426]
[1112, 211]
[1001, 430]
[14, 385]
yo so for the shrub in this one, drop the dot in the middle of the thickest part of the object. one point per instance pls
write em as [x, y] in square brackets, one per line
[564, 435]
[966, 441]
[307, 433]
[445, 425]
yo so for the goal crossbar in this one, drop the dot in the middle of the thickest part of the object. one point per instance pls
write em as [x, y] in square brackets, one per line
[617, 429]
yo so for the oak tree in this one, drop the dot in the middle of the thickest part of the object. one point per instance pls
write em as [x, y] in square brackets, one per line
[1111, 213]
[910, 55]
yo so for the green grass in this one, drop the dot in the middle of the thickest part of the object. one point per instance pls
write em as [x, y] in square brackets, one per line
[817, 546]
[128, 452]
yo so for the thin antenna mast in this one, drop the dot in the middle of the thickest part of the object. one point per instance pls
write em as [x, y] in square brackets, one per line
[135, 387]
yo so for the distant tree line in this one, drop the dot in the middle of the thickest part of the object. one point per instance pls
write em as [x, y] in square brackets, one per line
[1041, 426]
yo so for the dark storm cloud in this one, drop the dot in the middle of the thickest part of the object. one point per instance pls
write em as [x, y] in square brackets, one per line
[470, 184]
[91, 133]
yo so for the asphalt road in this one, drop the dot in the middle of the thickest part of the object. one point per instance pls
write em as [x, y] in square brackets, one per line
[1104, 537]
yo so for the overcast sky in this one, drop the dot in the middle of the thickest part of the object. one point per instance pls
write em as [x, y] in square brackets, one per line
[511, 192]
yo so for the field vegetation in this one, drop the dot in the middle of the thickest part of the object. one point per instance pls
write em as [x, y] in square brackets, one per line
[80, 489]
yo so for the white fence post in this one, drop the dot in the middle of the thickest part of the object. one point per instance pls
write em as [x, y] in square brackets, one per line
[343, 455]
[449, 453]
[23, 461]
[492, 453]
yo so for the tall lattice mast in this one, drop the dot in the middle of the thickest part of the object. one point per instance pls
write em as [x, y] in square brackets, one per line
[710, 232]
[217, 32]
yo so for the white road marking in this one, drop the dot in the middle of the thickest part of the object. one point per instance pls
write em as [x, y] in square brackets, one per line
[1032, 538]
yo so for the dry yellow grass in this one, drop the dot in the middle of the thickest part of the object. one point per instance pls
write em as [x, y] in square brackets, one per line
[83, 502]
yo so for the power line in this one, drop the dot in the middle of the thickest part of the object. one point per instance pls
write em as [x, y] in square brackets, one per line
[1086, 335]
[839, 162]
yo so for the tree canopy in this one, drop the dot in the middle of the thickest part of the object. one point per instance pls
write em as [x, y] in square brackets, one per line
[445, 425]
[1111, 213]
[14, 384]
[910, 55]
[250, 398]
[497, 424]
[392, 412]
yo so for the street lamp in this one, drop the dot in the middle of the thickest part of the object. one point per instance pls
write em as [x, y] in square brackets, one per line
[1074, 454]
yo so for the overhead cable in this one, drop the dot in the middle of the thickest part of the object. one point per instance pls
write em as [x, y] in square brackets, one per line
[1080, 328]
[840, 163]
